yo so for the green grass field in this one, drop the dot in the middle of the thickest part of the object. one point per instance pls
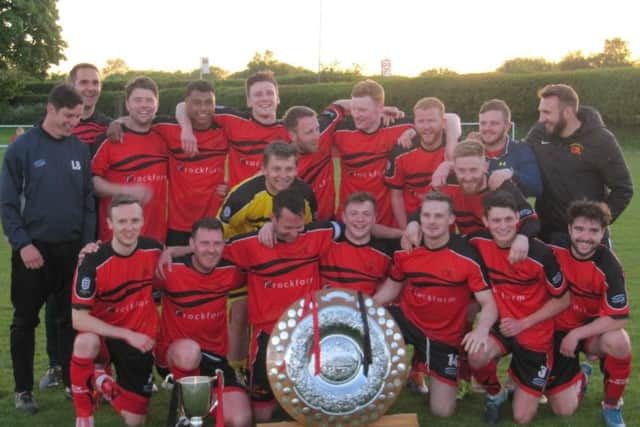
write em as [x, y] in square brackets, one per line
[55, 411]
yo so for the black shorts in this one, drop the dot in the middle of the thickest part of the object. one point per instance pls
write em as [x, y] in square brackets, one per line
[441, 359]
[566, 370]
[178, 238]
[133, 368]
[209, 363]
[529, 369]
[259, 387]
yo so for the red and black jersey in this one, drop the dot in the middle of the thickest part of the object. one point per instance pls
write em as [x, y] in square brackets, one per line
[357, 267]
[117, 289]
[89, 130]
[316, 169]
[141, 158]
[410, 170]
[439, 286]
[597, 287]
[193, 179]
[363, 160]
[194, 304]
[247, 140]
[469, 211]
[277, 277]
[522, 288]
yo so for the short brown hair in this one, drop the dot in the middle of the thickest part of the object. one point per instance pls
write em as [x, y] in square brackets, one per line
[74, 71]
[469, 148]
[141, 82]
[369, 88]
[260, 76]
[295, 113]
[122, 199]
[437, 196]
[279, 149]
[596, 211]
[565, 93]
[428, 103]
[497, 105]
[499, 199]
[360, 197]
[206, 223]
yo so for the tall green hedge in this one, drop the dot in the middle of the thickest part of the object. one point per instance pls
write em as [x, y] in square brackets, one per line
[615, 92]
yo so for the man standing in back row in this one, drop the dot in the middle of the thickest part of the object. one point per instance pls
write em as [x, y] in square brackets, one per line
[579, 158]
[48, 212]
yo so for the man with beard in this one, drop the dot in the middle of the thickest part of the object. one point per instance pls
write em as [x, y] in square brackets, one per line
[594, 321]
[138, 166]
[579, 158]
[508, 159]
[408, 173]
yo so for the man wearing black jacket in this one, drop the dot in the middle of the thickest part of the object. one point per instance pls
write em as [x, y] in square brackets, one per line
[48, 212]
[579, 158]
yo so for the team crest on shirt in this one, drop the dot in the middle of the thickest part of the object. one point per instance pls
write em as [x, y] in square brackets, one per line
[85, 287]
[226, 212]
[576, 149]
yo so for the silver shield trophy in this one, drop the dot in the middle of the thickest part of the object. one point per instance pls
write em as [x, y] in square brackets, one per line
[363, 361]
[197, 398]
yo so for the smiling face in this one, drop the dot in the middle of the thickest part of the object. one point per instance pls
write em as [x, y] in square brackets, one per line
[207, 248]
[471, 173]
[553, 115]
[60, 123]
[279, 173]
[494, 129]
[126, 222]
[502, 223]
[200, 107]
[263, 100]
[586, 235]
[359, 218]
[429, 124]
[435, 219]
[142, 105]
[288, 226]
[306, 135]
[366, 113]
[87, 83]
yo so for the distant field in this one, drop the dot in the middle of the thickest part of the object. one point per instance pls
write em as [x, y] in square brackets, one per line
[57, 412]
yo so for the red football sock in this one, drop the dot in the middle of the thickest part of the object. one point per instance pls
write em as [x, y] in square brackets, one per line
[487, 377]
[616, 375]
[81, 372]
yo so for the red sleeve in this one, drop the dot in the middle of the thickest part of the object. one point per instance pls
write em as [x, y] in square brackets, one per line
[101, 161]
[396, 273]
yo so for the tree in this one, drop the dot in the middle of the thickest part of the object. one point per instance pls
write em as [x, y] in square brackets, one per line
[30, 39]
[525, 65]
[435, 72]
[267, 61]
[616, 53]
[574, 60]
[115, 66]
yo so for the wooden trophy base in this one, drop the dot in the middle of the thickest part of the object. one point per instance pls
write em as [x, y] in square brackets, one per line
[397, 420]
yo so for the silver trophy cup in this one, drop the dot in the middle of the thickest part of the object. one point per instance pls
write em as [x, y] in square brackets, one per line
[197, 399]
